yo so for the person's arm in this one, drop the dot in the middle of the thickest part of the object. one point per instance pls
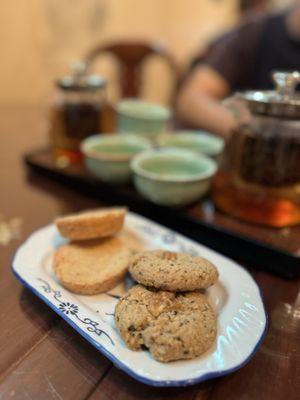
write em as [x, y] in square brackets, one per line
[228, 65]
[197, 102]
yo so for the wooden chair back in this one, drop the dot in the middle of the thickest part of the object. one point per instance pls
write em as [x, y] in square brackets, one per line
[131, 57]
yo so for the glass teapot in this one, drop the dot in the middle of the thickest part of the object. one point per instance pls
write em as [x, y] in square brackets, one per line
[259, 177]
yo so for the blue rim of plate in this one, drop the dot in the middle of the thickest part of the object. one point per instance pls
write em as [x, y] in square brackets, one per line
[117, 363]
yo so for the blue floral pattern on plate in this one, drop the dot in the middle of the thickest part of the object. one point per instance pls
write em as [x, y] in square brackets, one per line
[73, 309]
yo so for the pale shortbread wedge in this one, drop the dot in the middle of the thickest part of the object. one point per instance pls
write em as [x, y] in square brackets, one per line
[92, 224]
[92, 267]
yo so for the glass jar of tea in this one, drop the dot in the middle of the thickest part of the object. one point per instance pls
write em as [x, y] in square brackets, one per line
[77, 112]
[259, 177]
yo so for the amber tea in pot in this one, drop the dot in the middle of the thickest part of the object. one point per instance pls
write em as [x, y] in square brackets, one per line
[259, 179]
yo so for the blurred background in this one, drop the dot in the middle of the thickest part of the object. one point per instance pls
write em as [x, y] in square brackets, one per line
[39, 38]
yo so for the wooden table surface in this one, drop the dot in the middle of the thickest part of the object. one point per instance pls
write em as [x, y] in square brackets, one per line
[41, 357]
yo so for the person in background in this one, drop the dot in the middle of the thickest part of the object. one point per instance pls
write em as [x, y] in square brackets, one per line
[247, 9]
[241, 59]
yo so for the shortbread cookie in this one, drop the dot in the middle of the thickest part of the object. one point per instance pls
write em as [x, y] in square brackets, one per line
[92, 224]
[91, 267]
[172, 326]
[172, 271]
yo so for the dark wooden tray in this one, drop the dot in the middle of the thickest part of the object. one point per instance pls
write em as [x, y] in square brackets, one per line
[275, 250]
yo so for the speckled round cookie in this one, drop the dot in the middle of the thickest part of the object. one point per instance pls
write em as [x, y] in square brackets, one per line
[172, 271]
[92, 267]
[172, 326]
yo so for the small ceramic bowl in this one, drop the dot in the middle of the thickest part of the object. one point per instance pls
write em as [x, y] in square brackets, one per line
[172, 177]
[198, 141]
[148, 119]
[108, 156]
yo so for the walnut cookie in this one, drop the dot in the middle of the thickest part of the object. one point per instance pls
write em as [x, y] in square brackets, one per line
[172, 326]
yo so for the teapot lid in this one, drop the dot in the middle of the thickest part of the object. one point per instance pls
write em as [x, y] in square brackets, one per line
[80, 80]
[282, 102]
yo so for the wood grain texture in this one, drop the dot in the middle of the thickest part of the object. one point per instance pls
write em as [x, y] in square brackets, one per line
[41, 357]
[62, 365]
[117, 385]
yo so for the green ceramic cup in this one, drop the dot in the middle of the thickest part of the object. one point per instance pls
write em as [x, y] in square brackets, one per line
[172, 177]
[198, 141]
[144, 118]
[108, 156]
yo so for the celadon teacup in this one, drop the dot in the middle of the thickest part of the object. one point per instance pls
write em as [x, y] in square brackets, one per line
[108, 156]
[197, 141]
[145, 118]
[172, 177]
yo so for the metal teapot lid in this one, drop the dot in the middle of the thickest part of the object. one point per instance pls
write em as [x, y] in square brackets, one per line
[284, 102]
[80, 80]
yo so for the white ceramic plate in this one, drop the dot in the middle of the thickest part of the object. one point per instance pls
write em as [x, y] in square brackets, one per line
[236, 298]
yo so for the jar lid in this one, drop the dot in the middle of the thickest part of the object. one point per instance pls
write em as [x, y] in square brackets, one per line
[80, 80]
[283, 102]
